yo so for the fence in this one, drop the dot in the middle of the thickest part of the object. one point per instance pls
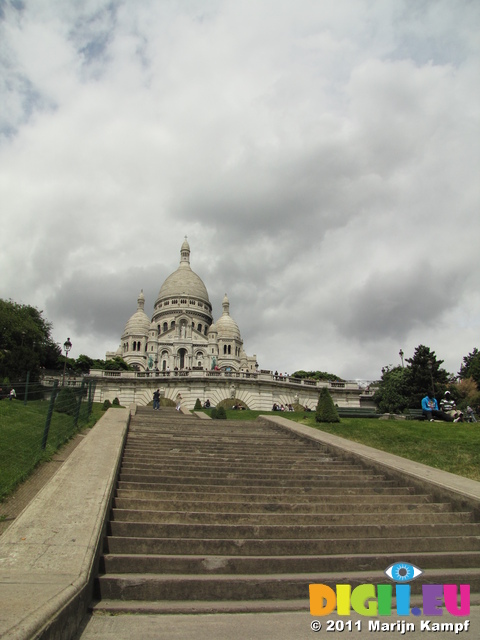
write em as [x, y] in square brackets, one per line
[35, 421]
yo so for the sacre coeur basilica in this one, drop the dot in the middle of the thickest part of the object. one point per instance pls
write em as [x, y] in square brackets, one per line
[185, 354]
[181, 335]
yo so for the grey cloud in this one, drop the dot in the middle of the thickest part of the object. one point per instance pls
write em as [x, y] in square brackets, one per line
[391, 304]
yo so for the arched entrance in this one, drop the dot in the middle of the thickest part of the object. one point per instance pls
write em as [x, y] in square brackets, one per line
[182, 355]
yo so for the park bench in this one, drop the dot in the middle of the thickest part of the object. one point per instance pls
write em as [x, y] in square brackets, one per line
[357, 412]
[415, 414]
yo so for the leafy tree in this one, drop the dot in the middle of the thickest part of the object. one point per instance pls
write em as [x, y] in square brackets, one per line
[425, 371]
[26, 342]
[401, 388]
[394, 391]
[316, 375]
[471, 367]
[117, 364]
[326, 410]
[83, 363]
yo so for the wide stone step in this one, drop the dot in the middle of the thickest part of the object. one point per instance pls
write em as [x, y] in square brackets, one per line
[312, 546]
[235, 479]
[296, 468]
[397, 510]
[242, 587]
[228, 455]
[254, 517]
[298, 531]
[279, 472]
[273, 497]
[202, 564]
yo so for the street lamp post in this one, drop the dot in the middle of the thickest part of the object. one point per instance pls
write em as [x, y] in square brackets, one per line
[430, 368]
[400, 353]
[67, 345]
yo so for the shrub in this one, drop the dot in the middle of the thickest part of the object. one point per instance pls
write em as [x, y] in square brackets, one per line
[106, 405]
[326, 410]
[198, 405]
[213, 413]
[66, 401]
[221, 413]
[116, 402]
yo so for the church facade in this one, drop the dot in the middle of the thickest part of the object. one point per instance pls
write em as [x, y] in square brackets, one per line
[181, 335]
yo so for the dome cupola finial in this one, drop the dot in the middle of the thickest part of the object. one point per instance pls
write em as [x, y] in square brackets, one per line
[226, 306]
[185, 252]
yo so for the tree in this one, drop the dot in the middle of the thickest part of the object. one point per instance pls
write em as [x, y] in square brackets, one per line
[316, 375]
[26, 343]
[394, 390]
[326, 410]
[117, 364]
[425, 374]
[402, 388]
[471, 367]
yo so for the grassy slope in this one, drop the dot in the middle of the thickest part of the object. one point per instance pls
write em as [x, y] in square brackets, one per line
[21, 432]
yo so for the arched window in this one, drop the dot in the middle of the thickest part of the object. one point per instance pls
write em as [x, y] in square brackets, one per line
[224, 349]
[165, 326]
[229, 349]
[172, 324]
[199, 327]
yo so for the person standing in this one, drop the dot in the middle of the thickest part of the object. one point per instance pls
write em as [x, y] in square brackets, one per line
[156, 400]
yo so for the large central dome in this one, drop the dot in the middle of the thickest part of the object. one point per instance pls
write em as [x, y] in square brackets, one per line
[183, 281]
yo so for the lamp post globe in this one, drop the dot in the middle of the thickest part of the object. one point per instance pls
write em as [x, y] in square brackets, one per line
[67, 345]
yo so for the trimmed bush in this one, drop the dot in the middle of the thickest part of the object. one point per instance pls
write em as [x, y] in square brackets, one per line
[106, 405]
[326, 410]
[66, 401]
[116, 402]
[221, 413]
[213, 413]
[198, 405]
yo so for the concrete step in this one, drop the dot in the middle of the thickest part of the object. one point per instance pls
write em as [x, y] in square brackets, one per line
[335, 495]
[256, 518]
[202, 564]
[278, 547]
[220, 587]
[235, 480]
[241, 507]
[152, 529]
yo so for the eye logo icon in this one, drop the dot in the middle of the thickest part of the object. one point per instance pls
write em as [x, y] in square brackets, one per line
[402, 572]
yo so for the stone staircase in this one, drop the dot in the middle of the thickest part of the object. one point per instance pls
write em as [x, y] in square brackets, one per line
[229, 516]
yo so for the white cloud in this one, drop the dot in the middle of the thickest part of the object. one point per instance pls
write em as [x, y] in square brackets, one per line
[321, 157]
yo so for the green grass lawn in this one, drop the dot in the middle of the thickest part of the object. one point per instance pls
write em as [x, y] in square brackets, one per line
[21, 433]
[443, 445]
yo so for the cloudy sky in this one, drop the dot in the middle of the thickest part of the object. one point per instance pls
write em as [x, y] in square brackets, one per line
[322, 156]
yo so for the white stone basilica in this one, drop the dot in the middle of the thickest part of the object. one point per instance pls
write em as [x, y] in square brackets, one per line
[181, 335]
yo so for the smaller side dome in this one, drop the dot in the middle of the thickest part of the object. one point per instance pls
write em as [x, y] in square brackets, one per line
[226, 325]
[139, 323]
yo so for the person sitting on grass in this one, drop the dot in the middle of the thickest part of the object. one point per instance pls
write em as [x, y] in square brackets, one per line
[431, 411]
